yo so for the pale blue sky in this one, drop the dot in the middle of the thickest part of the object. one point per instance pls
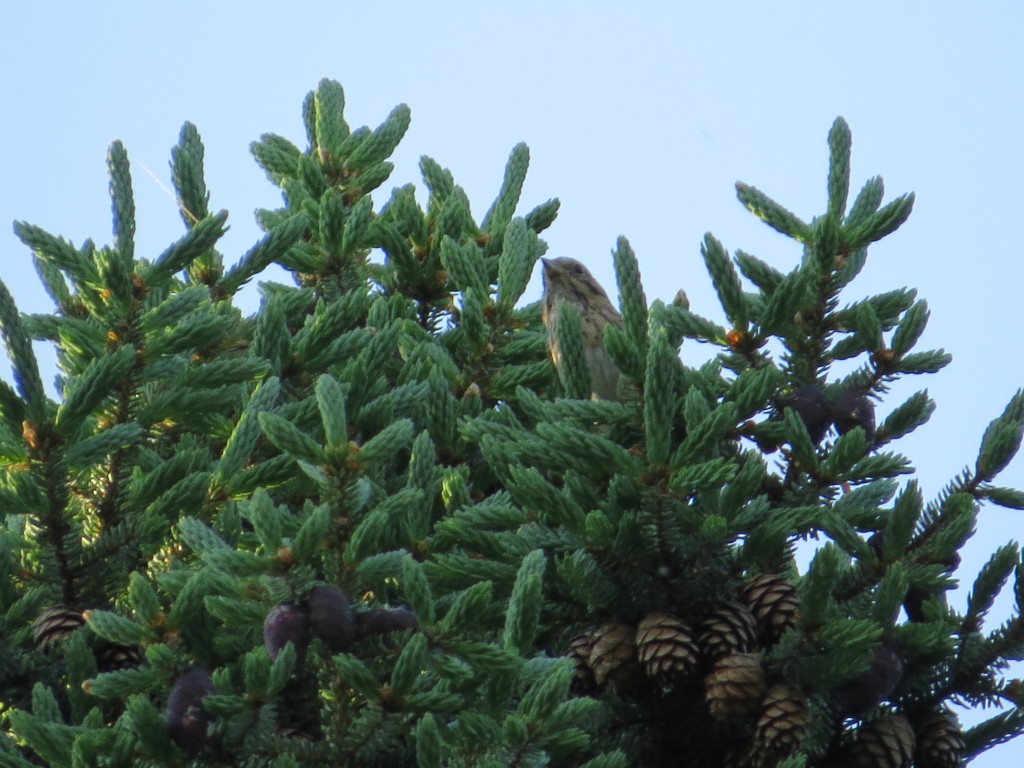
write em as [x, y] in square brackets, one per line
[639, 117]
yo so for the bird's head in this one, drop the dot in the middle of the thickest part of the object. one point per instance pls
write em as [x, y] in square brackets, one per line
[568, 280]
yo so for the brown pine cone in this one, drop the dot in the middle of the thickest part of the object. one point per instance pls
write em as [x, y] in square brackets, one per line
[940, 742]
[773, 602]
[781, 726]
[735, 686]
[665, 647]
[55, 623]
[739, 755]
[887, 742]
[613, 656]
[579, 651]
[112, 657]
[730, 628]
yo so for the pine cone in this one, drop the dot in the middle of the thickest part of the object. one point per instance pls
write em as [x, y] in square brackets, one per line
[812, 407]
[781, 726]
[884, 743]
[940, 742]
[381, 621]
[730, 628]
[739, 754]
[773, 602]
[286, 623]
[112, 657]
[55, 623]
[579, 651]
[735, 686]
[187, 718]
[872, 686]
[854, 409]
[665, 647]
[613, 656]
[330, 617]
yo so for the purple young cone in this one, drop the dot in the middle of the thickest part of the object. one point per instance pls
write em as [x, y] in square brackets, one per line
[378, 621]
[854, 409]
[811, 406]
[187, 719]
[330, 617]
[287, 622]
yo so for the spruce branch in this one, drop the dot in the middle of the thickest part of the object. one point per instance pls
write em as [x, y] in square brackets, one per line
[23, 360]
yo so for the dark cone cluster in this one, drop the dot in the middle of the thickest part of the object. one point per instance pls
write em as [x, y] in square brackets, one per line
[730, 628]
[665, 647]
[887, 742]
[55, 623]
[735, 686]
[940, 742]
[781, 725]
[613, 658]
[327, 614]
[774, 603]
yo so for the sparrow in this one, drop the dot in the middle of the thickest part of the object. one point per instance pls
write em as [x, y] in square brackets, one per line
[568, 280]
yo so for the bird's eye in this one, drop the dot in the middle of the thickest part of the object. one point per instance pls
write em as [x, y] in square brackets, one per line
[578, 269]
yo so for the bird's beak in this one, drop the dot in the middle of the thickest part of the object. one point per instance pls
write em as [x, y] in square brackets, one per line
[546, 263]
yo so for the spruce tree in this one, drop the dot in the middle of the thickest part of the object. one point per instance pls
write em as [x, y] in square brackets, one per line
[372, 525]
